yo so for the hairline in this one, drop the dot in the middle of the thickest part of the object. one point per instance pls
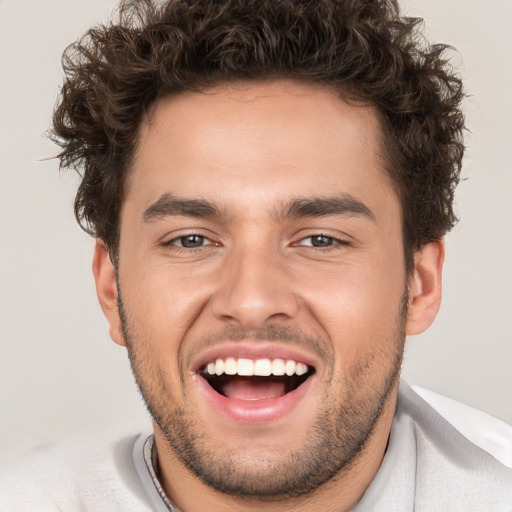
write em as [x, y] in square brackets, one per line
[385, 145]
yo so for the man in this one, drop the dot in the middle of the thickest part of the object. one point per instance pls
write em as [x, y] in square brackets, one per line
[269, 184]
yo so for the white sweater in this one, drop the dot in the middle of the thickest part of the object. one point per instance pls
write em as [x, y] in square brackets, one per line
[442, 457]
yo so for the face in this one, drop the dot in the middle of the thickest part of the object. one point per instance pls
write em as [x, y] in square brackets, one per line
[262, 287]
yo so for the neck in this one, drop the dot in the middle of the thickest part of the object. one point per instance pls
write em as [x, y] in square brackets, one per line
[340, 493]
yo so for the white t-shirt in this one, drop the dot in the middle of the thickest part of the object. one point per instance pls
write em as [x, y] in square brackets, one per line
[442, 457]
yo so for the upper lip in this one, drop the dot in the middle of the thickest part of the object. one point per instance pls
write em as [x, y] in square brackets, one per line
[253, 350]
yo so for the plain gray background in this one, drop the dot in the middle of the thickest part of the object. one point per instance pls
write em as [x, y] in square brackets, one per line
[59, 371]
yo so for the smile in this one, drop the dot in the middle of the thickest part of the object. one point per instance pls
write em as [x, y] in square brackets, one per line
[254, 389]
[259, 379]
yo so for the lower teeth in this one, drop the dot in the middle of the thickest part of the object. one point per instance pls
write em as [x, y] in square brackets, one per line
[223, 382]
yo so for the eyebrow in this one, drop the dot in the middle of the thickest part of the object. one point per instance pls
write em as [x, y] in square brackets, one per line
[341, 204]
[171, 205]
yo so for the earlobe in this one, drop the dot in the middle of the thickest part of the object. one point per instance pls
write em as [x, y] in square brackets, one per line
[106, 290]
[425, 287]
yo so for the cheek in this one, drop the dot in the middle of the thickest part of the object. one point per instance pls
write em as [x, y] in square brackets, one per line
[361, 314]
[162, 303]
[357, 305]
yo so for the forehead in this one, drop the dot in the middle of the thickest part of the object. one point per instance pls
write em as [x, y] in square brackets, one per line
[256, 143]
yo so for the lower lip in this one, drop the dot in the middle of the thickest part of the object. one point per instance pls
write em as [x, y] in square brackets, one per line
[254, 411]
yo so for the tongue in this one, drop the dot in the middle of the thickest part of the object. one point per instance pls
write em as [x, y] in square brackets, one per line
[253, 389]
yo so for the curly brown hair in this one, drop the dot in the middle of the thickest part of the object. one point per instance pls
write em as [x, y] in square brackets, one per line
[360, 49]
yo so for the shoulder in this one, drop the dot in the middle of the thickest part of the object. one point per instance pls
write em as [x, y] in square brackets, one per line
[490, 434]
[462, 455]
[86, 471]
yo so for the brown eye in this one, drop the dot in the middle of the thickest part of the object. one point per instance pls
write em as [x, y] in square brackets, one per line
[318, 241]
[321, 241]
[190, 241]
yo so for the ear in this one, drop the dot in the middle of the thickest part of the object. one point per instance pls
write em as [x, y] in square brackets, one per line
[106, 289]
[425, 287]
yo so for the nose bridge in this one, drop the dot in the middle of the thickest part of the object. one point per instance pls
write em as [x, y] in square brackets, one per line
[253, 287]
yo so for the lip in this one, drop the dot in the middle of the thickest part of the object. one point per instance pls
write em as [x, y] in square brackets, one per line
[254, 411]
[252, 350]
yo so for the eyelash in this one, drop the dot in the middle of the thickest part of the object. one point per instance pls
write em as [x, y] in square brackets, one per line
[173, 241]
[333, 242]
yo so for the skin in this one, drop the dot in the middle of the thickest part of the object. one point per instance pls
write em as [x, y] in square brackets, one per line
[251, 149]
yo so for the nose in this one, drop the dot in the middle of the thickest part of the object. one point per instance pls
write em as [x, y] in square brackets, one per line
[254, 288]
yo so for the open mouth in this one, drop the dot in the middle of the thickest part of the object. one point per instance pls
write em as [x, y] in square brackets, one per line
[260, 379]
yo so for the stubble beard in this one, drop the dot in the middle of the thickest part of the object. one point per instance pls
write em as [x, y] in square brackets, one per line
[335, 440]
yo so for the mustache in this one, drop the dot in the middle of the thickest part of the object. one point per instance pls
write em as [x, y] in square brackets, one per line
[278, 333]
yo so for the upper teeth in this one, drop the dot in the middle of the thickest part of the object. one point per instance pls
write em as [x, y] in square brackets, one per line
[259, 367]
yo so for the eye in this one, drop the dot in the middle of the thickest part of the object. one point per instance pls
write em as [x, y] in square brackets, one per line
[192, 241]
[320, 241]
